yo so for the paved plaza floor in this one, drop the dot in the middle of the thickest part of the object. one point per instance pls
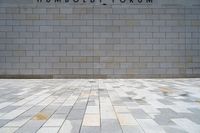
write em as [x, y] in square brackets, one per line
[100, 106]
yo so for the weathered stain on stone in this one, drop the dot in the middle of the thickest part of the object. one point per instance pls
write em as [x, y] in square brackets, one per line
[40, 116]
[166, 91]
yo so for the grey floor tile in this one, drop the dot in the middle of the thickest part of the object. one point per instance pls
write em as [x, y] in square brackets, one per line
[63, 110]
[87, 129]
[71, 126]
[132, 129]
[76, 114]
[3, 122]
[110, 126]
[173, 129]
[139, 114]
[31, 126]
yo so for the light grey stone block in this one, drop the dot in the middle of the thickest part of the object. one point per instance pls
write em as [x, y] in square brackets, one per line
[159, 33]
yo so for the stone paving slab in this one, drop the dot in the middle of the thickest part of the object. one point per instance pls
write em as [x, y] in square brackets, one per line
[100, 106]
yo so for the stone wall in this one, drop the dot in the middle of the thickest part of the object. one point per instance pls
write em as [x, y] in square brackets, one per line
[53, 40]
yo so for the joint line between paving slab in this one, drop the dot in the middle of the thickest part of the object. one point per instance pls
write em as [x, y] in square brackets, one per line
[99, 105]
[71, 107]
[85, 111]
[43, 109]
[113, 107]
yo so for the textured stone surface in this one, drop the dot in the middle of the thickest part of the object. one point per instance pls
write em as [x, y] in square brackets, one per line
[102, 106]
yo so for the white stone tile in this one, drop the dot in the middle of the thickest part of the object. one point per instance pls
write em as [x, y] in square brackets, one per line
[91, 120]
[5, 104]
[187, 125]
[150, 126]
[120, 109]
[126, 119]
[179, 109]
[55, 120]
[48, 130]
[13, 114]
[149, 109]
[92, 110]
[18, 122]
[108, 115]
[66, 127]
[8, 129]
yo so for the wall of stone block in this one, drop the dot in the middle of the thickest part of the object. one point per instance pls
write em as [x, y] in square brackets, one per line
[51, 40]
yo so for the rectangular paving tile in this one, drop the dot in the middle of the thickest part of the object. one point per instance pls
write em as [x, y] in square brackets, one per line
[18, 122]
[126, 119]
[63, 110]
[187, 125]
[110, 126]
[150, 126]
[31, 126]
[76, 114]
[88, 129]
[149, 109]
[91, 120]
[121, 109]
[8, 109]
[55, 120]
[3, 122]
[132, 129]
[174, 129]
[13, 114]
[8, 129]
[71, 126]
[139, 114]
[92, 110]
[48, 130]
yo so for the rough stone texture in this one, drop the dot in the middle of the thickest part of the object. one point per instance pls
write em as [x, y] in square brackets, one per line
[99, 41]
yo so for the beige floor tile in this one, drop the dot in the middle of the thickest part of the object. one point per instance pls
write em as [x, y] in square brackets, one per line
[91, 120]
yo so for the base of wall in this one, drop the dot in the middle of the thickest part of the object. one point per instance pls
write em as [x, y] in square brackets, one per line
[94, 76]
